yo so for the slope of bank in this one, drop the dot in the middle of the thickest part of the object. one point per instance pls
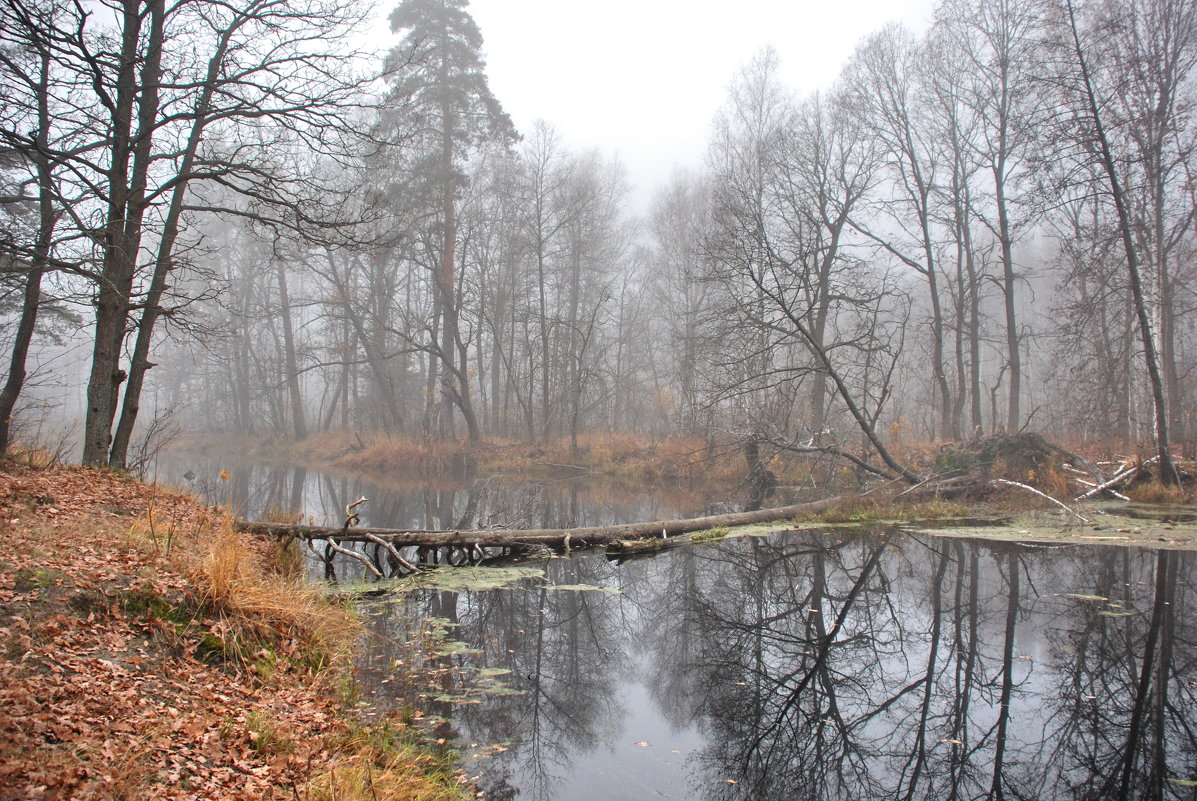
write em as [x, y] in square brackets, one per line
[149, 652]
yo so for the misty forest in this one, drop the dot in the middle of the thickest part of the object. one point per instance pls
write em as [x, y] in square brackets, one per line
[354, 439]
[222, 217]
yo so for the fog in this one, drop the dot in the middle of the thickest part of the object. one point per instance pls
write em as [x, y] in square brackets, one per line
[238, 219]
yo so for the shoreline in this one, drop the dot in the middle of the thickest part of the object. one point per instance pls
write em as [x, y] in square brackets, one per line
[149, 654]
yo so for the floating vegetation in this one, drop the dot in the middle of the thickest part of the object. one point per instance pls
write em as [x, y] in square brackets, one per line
[484, 682]
[469, 579]
[711, 534]
[451, 648]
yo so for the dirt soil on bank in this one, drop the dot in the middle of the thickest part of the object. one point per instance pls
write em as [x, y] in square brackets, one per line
[111, 689]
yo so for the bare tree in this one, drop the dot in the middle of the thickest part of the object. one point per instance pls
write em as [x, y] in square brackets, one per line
[1084, 113]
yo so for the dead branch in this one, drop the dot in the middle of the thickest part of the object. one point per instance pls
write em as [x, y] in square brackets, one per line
[352, 518]
[393, 551]
[1034, 491]
[332, 544]
[1121, 475]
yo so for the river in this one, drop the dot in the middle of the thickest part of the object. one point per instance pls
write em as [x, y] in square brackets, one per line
[862, 664]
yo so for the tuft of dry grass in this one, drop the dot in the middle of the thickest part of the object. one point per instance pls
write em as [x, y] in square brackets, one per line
[385, 762]
[1155, 491]
[257, 606]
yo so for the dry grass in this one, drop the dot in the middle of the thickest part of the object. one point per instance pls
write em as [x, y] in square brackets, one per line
[259, 606]
[385, 763]
[170, 656]
[1155, 491]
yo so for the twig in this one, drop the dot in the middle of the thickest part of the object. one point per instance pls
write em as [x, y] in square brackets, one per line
[933, 480]
[394, 553]
[1031, 489]
[355, 555]
[1121, 474]
[352, 518]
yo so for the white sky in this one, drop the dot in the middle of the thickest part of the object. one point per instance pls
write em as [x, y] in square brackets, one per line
[642, 79]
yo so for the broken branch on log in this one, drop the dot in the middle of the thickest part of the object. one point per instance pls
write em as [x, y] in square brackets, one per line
[1121, 475]
[332, 543]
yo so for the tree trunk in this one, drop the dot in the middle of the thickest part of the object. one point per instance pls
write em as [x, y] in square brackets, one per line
[298, 418]
[1168, 473]
[595, 535]
[164, 261]
[31, 303]
[127, 204]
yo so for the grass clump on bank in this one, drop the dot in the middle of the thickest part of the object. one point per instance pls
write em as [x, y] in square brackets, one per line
[386, 762]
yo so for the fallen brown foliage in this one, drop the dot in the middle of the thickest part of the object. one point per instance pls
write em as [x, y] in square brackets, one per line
[149, 652]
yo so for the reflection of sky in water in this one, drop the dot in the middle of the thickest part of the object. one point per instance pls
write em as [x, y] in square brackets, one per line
[715, 652]
[621, 767]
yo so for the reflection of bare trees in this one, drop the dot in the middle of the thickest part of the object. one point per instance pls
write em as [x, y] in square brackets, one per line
[546, 668]
[821, 666]
[1126, 707]
[824, 669]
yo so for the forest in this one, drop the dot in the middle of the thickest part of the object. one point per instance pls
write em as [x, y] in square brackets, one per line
[228, 217]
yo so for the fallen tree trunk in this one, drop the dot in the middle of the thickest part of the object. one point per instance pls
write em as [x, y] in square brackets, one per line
[551, 537]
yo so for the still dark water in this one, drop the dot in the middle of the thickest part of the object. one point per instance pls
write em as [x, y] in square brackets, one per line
[827, 665]
[813, 666]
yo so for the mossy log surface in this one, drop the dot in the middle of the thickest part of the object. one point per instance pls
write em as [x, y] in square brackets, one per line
[551, 537]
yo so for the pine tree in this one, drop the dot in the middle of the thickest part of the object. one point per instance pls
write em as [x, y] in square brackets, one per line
[440, 95]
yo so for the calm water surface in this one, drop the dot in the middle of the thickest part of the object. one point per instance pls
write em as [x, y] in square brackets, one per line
[836, 665]
[812, 666]
[252, 491]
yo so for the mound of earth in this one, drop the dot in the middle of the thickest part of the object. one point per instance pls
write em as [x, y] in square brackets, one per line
[1023, 457]
[985, 467]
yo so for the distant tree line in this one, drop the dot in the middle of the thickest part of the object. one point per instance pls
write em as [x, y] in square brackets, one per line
[986, 227]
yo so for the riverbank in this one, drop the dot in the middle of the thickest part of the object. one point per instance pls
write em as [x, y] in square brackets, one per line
[670, 461]
[149, 652]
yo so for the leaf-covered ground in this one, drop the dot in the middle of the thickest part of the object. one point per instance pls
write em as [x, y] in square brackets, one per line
[115, 681]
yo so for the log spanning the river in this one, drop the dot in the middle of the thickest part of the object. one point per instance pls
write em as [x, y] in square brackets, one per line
[548, 537]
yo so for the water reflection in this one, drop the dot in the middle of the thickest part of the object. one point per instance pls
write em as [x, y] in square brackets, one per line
[254, 491]
[819, 666]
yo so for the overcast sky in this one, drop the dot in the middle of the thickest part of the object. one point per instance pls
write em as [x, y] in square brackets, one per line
[644, 78]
